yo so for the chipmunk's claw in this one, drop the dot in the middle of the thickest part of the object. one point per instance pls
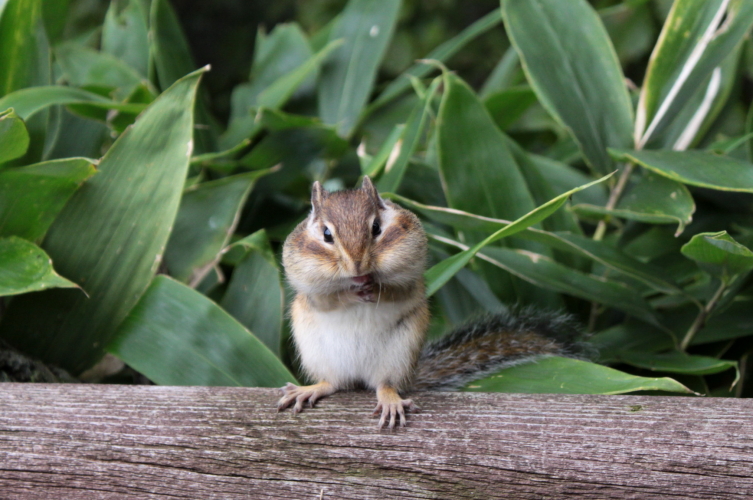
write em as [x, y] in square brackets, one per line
[392, 407]
[302, 394]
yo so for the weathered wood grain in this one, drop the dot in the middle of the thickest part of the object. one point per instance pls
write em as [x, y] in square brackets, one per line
[139, 442]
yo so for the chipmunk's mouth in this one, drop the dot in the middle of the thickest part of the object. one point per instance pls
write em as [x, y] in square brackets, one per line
[363, 280]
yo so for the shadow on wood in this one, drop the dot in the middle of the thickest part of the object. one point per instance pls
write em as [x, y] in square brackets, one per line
[138, 442]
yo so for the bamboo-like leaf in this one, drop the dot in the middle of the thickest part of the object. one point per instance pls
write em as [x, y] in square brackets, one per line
[414, 129]
[206, 219]
[571, 64]
[374, 165]
[443, 52]
[125, 34]
[14, 138]
[654, 199]
[348, 76]
[28, 102]
[557, 375]
[440, 273]
[697, 36]
[24, 267]
[86, 67]
[719, 254]
[110, 237]
[272, 97]
[678, 362]
[255, 295]
[31, 197]
[695, 168]
[24, 50]
[507, 105]
[597, 251]
[176, 336]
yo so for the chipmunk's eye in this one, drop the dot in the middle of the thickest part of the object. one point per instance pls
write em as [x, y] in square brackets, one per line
[328, 235]
[376, 229]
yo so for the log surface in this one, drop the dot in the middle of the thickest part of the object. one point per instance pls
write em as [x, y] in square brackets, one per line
[141, 442]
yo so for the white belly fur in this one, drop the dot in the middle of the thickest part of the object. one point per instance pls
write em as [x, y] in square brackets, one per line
[356, 344]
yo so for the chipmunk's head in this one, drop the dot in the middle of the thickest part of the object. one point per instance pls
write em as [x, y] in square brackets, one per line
[352, 237]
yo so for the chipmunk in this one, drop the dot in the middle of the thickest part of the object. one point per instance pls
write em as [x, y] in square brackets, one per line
[360, 312]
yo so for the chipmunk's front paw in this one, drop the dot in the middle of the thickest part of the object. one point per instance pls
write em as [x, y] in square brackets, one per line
[392, 406]
[300, 395]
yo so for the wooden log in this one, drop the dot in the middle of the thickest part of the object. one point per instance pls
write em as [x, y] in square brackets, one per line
[143, 442]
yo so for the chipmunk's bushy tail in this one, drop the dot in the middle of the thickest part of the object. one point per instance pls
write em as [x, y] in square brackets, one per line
[494, 342]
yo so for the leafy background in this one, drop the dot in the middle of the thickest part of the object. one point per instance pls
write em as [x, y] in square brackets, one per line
[593, 157]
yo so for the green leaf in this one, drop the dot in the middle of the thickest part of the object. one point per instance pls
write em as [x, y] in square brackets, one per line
[414, 130]
[28, 102]
[507, 105]
[576, 244]
[24, 267]
[176, 336]
[571, 64]
[86, 67]
[125, 34]
[31, 197]
[628, 336]
[443, 52]
[255, 294]
[110, 237]
[719, 254]
[206, 219]
[695, 168]
[24, 50]
[697, 36]
[677, 362]
[272, 97]
[442, 272]
[14, 138]
[375, 164]
[653, 199]
[543, 272]
[348, 76]
[557, 375]
[172, 60]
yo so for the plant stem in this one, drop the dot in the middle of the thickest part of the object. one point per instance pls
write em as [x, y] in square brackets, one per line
[700, 320]
[614, 197]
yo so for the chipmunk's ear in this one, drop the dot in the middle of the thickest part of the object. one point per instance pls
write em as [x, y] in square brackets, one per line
[318, 194]
[368, 187]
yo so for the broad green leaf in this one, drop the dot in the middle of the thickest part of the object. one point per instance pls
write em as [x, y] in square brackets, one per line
[507, 105]
[24, 50]
[272, 97]
[31, 197]
[172, 59]
[24, 267]
[206, 219]
[562, 177]
[557, 375]
[414, 130]
[348, 76]
[84, 67]
[719, 254]
[55, 15]
[255, 295]
[125, 34]
[442, 53]
[697, 36]
[597, 251]
[440, 273]
[14, 138]
[677, 362]
[630, 336]
[28, 102]
[110, 237]
[695, 168]
[653, 199]
[478, 170]
[541, 271]
[176, 336]
[571, 64]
